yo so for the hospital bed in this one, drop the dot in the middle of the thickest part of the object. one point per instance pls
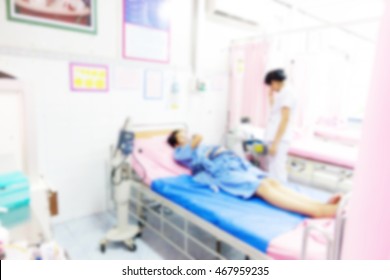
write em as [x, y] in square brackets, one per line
[326, 165]
[324, 160]
[160, 189]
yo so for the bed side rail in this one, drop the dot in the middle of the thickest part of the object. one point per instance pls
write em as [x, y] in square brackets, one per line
[334, 241]
[155, 199]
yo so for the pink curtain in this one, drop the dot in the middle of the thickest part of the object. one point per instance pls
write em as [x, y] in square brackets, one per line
[368, 224]
[299, 73]
[236, 80]
[248, 97]
[319, 85]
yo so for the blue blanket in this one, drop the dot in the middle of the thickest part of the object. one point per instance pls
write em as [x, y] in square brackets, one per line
[253, 221]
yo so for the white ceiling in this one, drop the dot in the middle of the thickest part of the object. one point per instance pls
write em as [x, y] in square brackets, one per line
[362, 17]
[357, 17]
[340, 10]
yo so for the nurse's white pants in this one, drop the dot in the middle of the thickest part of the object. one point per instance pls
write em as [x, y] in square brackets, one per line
[277, 165]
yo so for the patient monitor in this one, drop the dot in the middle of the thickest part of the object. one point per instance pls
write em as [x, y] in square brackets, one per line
[125, 142]
[121, 183]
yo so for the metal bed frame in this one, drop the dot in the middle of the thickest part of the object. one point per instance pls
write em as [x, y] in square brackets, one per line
[144, 200]
[334, 240]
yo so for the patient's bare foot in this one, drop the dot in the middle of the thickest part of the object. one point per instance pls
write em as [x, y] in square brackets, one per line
[325, 211]
[335, 199]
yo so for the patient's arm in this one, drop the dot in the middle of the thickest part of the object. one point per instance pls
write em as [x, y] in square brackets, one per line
[196, 140]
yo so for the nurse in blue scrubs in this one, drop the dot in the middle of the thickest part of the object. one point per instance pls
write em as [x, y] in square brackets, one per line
[223, 170]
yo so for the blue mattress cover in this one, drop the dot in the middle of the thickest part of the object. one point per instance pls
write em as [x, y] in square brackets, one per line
[253, 221]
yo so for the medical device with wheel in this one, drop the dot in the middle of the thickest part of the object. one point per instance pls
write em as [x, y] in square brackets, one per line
[121, 174]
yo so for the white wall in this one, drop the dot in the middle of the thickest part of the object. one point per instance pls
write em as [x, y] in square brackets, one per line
[214, 41]
[74, 130]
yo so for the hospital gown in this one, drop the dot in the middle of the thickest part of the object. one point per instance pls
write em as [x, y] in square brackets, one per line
[225, 171]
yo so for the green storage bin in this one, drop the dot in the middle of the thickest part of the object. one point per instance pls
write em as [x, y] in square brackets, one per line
[15, 196]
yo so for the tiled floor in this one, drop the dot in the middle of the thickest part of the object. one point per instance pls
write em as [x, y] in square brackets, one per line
[81, 239]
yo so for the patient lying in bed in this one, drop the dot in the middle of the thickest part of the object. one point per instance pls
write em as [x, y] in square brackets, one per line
[222, 169]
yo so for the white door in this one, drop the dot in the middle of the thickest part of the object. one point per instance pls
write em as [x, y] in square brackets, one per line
[11, 131]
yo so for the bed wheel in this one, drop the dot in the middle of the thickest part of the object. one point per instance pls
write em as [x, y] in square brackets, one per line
[132, 248]
[130, 245]
[103, 248]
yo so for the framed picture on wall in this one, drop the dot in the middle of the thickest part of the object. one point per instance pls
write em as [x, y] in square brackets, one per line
[146, 30]
[88, 77]
[153, 85]
[74, 15]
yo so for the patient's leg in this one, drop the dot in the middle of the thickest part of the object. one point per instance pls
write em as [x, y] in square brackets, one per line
[287, 191]
[333, 200]
[294, 202]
